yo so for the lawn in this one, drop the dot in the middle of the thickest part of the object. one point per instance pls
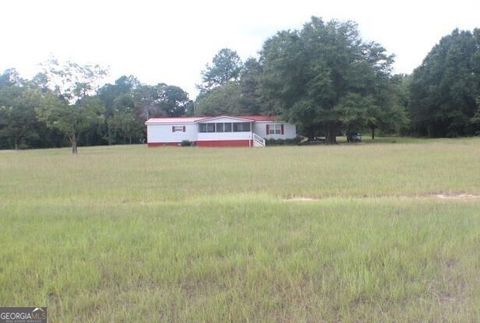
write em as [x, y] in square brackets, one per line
[373, 232]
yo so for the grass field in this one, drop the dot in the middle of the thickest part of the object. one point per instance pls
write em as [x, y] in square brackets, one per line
[351, 233]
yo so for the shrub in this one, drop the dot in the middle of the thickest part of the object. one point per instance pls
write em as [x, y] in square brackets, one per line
[282, 142]
[186, 143]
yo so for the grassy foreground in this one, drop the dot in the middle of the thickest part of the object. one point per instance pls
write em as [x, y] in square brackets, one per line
[120, 234]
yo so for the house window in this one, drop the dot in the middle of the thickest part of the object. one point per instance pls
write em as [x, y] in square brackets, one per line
[241, 127]
[224, 127]
[274, 129]
[210, 127]
[178, 129]
[206, 127]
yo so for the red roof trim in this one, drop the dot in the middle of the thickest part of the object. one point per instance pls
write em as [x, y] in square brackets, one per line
[261, 118]
[197, 119]
[241, 118]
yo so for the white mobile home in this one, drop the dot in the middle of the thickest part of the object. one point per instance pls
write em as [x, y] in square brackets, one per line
[222, 131]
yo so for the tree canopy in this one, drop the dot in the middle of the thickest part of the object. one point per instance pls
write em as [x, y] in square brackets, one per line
[225, 67]
[445, 89]
[324, 77]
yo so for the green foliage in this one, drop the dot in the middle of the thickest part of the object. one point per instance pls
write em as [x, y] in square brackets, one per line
[446, 86]
[315, 76]
[250, 87]
[283, 142]
[70, 80]
[225, 99]
[129, 103]
[226, 66]
[124, 126]
[161, 100]
[186, 143]
[71, 120]
[18, 123]
[234, 97]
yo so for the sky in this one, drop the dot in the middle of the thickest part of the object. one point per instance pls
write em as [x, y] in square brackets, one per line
[172, 41]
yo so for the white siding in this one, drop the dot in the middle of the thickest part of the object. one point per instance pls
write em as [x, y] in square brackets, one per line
[163, 133]
[289, 130]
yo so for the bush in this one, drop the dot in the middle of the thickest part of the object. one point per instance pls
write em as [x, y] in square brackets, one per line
[282, 142]
[186, 143]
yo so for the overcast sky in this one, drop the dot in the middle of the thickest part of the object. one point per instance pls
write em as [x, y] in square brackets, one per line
[171, 41]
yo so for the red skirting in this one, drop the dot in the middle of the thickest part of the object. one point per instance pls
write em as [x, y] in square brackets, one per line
[225, 143]
[207, 143]
[163, 144]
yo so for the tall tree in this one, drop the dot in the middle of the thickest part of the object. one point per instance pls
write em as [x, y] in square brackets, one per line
[70, 80]
[72, 110]
[18, 121]
[10, 77]
[225, 67]
[225, 99]
[312, 75]
[118, 98]
[237, 95]
[161, 100]
[71, 120]
[125, 126]
[250, 77]
[445, 88]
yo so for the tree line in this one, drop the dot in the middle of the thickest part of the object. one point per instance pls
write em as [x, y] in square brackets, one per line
[323, 77]
[64, 105]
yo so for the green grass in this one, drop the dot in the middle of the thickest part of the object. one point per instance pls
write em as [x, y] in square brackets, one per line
[185, 234]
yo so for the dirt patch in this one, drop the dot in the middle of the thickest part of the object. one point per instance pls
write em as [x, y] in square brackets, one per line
[301, 199]
[455, 196]
[446, 196]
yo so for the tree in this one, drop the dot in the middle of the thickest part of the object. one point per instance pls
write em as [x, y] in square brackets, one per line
[123, 87]
[313, 75]
[161, 100]
[69, 119]
[71, 109]
[125, 125]
[10, 77]
[226, 66]
[445, 88]
[17, 114]
[18, 99]
[70, 80]
[250, 77]
[225, 99]
[118, 98]
[238, 95]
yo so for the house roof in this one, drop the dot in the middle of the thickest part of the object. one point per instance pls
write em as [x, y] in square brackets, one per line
[261, 118]
[172, 120]
[238, 118]
[197, 119]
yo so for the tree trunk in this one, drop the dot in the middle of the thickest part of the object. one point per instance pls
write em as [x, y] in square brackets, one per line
[331, 138]
[109, 134]
[74, 144]
[16, 141]
[373, 133]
